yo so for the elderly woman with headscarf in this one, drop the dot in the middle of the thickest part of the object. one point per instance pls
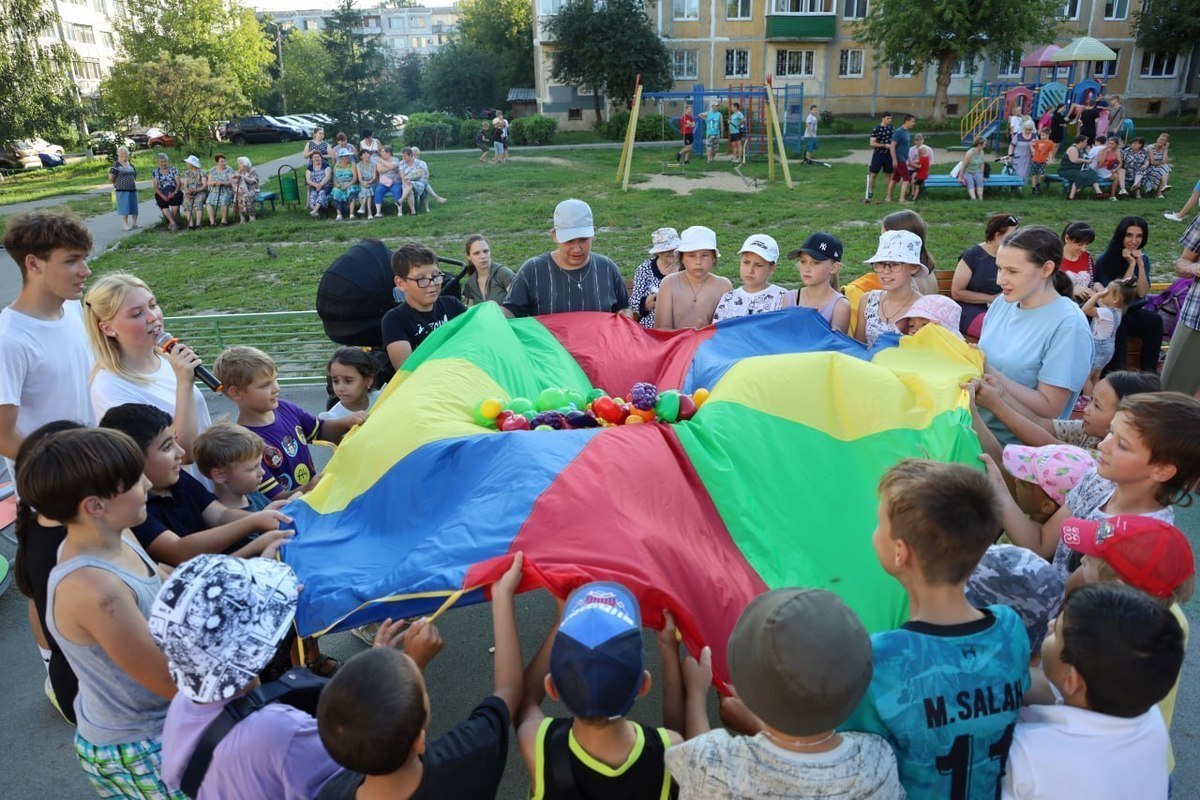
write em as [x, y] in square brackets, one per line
[245, 189]
[123, 176]
[167, 195]
[195, 192]
[1020, 149]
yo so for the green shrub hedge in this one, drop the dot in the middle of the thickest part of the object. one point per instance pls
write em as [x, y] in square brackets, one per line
[534, 130]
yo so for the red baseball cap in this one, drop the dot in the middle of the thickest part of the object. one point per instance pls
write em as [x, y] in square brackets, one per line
[1147, 553]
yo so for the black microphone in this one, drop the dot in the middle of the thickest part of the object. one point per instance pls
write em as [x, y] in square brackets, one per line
[166, 342]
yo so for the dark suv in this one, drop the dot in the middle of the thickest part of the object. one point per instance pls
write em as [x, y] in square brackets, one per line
[260, 128]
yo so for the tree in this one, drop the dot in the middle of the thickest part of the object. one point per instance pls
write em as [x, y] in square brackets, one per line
[223, 32]
[503, 29]
[408, 75]
[604, 47]
[304, 76]
[458, 78]
[358, 69]
[941, 32]
[39, 97]
[183, 92]
[1168, 26]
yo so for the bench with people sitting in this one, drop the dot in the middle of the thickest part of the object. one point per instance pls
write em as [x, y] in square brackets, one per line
[993, 181]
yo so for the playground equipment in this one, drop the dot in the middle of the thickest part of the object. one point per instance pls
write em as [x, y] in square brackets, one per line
[1037, 94]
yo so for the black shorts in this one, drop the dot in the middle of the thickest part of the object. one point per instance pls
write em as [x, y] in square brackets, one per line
[689, 138]
[881, 160]
[735, 137]
[175, 200]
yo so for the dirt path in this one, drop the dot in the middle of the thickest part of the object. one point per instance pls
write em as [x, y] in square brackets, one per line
[682, 185]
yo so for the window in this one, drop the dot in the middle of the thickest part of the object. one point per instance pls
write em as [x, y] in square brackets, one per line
[737, 63]
[88, 68]
[106, 39]
[1070, 9]
[684, 64]
[737, 9]
[574, 113]
[686, 9]
[795, 63]
[84, 34]
[395, 22]
[1009, 65]
[802, 6]
[417, 22]
[854, 9]
[585, 91]
[1116, 9]
[901, 68]
[307, 24]
[1106, 69]
[1158, 65]
[964, 67]
[850, 64]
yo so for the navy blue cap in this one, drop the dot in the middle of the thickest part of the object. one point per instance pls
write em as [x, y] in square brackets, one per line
[596, 661]
[821, 246]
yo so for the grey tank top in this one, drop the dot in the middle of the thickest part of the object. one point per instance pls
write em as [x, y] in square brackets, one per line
[111, 707]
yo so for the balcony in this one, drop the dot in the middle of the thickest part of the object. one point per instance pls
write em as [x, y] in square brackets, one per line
[801, 27]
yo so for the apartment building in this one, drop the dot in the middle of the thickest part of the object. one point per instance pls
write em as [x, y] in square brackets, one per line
[402, 30]
[722, 43]
[86, 26]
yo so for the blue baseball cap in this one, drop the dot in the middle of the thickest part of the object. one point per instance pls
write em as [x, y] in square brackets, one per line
[596, 661]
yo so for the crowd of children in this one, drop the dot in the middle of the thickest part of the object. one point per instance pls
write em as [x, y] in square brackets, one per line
[1038, 667]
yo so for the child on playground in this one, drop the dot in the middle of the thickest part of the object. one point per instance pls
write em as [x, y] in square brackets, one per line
[920, 160]
[286, 429]
[801, 662]
[737, 133]
[184, 519]
[97, 602]
[374, 714]
[1106, 308]
[1042, 149]
[1112, 654]
[349, 376]
[818, 260]
[688, 298]
[230, 456]
[593, 662]
[1044, 476]
[931, 309]
[687, 126]
[1149, 460]
[756, 295]
[947, 684]
[424, 310]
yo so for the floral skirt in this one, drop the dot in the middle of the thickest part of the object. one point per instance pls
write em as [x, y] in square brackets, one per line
[318, 198]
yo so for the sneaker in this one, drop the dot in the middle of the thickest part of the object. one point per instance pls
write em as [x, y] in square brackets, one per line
[378, 214]
[1171, 215]
[365, 633]
[677, 157]
[49, 690]
[338, 218]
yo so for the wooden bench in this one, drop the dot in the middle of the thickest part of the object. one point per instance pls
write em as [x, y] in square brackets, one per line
[266, 197]
[996, 181]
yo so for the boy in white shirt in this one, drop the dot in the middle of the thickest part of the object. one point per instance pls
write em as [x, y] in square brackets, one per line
[756, 295]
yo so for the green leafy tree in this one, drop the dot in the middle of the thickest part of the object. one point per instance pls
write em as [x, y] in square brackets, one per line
[459, 78]
[604, 47]
[304, 72]
[940, 32]
[223, 32]
[359, 69]
[183, 92]
[503, 29]
[408, 75]
[38, 97]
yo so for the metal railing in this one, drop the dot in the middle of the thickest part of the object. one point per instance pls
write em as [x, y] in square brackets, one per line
[984, 113]
[296, 340]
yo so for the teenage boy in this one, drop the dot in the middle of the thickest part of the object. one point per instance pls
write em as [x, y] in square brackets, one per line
[883, 153]
[98, 598]
[737, 133]
[1111, 654]
[901, 143]
[687, 126]
[231, 457]
[374, 713]
[593, 663]
[184, 519]
[424, 310]
[286, 429]
[809, 142]
[949, 682]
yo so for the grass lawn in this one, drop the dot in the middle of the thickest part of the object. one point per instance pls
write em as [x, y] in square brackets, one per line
[81, 176]
[228, 269]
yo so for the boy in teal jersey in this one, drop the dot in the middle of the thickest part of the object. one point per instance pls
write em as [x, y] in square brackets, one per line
[948, 683]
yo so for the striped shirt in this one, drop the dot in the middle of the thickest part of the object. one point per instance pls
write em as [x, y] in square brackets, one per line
[1189, 314]
[543, 287]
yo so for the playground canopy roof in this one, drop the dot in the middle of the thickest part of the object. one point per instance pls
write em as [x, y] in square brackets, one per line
[1085, 48]
[1041, 57]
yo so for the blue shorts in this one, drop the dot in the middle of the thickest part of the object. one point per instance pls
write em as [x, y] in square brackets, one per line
[127, 204]
[808, 143]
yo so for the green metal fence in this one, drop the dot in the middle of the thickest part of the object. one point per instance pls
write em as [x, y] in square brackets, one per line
[295, 339]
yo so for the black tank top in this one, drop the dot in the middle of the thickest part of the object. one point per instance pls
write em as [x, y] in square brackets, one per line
[567, 772]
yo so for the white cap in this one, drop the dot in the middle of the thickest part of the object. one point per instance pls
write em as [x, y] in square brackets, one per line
[573, 220]
[903, 247]
[698, 237]
[761, 245]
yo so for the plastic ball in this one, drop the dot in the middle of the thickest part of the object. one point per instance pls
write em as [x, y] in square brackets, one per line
[699, 396]
[607, 410]
[543, 428]
[594, 395]
[505, 414]
[515, 422]
[519, 405]
[667, 406]
[575, 398]
[481, 419]
[551, 398]
[687, 407]
[634, 419]
[491, 407]
[647, 414]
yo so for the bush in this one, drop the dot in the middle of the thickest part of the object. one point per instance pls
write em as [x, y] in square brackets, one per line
[434, 130]
[467, 130]
[654, 128]
[534, 130]
[841, 126]
[614, 127]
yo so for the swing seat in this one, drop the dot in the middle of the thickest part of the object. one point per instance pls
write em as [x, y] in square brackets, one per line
[672, 167]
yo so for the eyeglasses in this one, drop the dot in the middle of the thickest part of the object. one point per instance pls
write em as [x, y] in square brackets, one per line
[890, 266]
[435, 279]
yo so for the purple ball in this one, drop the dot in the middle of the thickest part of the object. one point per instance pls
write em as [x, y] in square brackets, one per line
[643, 396]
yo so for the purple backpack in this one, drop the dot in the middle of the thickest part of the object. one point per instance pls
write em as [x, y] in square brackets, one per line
[1168, 303]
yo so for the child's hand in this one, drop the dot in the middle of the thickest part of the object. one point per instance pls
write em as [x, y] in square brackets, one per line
[357, 417]
[268, 520]
[423, 641]
[183, 361]
[668, 637]
[989, 392]
[993, 472]
[274, 540]
[511, 579]
[390, 633]
[735, 715]
[698, 675]
[275, 505]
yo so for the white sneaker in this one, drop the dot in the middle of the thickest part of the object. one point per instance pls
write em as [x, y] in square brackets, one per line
[378, 214]
[1171, 215]
[339, 218]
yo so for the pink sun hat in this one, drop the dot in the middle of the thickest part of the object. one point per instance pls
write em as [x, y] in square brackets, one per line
[937, 308]
[1056, 468]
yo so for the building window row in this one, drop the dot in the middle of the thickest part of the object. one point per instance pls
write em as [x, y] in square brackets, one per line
[795, 63]
[803, 7]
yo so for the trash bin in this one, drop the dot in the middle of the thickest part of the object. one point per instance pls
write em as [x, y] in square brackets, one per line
[289, 185]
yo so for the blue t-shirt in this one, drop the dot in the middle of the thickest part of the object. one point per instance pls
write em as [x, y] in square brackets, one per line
[946, 697]
[712, 123]
[1051, 344]
[737, 120]
[903, 142]
[180, 510]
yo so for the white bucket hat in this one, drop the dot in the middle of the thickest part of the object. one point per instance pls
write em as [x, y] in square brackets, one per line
[664, 240]
[762, 245]
[698, 237]
[902, 247]
[195, 162]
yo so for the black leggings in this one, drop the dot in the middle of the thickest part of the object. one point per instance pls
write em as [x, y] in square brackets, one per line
[1142, 323]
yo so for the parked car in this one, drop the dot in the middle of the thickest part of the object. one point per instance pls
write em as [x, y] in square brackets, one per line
[157, 137]
[42, 146]
[321, 119]
[305, 125]
[260, 128]
[19, 154]
[109, 141]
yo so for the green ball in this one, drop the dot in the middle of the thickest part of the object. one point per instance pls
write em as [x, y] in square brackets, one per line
[575, 398]
[543, 428]
[519, 405]
[667, 407]
[480, 419]
[595, 394]
[551, 399]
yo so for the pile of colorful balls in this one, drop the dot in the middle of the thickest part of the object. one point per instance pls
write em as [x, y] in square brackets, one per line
[568, 409]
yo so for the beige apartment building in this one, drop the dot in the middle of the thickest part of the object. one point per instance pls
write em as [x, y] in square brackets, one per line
[726, 43]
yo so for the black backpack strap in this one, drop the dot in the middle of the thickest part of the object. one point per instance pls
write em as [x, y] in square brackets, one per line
[219, 728]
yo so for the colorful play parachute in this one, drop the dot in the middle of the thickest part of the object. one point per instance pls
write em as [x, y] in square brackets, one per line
[771, 483]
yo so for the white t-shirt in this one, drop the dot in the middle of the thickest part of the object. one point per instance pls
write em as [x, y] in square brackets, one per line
[337, 411]
[44, 369]
[810, 126]
[1062, 751]
[740, 303]
[717, 766]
